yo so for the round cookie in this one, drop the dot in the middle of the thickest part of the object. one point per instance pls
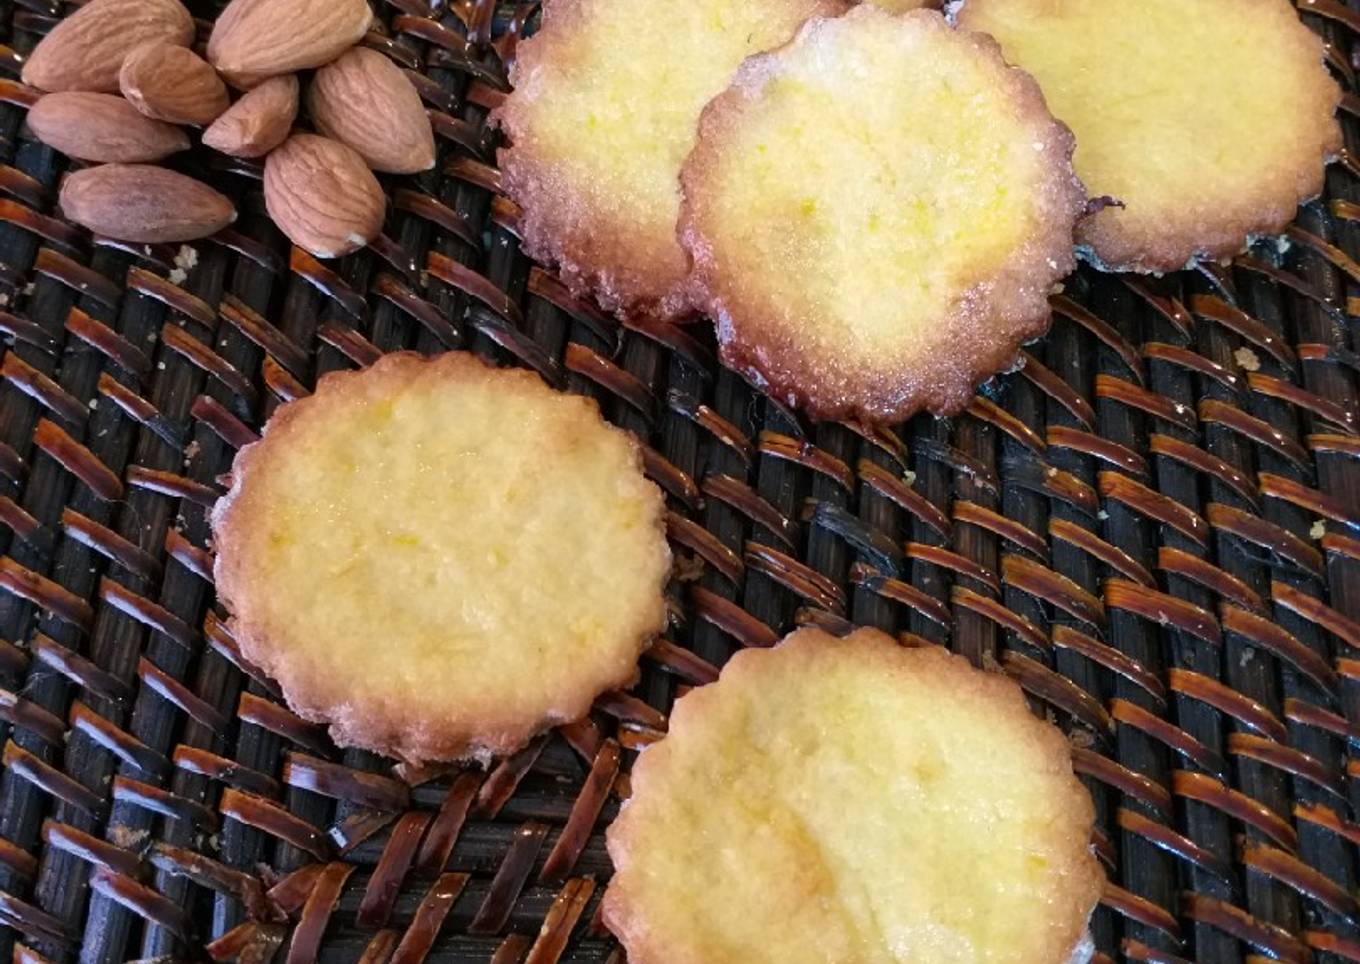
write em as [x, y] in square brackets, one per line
[852, 800]
[1208, 121]
[439, 558]
[877, 213]
[606, 100]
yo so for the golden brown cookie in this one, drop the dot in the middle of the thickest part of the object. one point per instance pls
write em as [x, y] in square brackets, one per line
[1209, 121]
[855, 801]
[877, 214]
[607, 97]
[439, 558]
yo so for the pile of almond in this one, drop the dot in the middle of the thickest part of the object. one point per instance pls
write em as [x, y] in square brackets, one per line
[122, 83]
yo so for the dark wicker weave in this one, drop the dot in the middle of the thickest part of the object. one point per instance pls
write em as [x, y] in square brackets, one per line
[1126, 525]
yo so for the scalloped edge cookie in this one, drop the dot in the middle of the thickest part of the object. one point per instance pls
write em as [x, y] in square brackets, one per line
[1183, 231]
[989, 319]
[596, 253]
[750, 676]
[407, 734]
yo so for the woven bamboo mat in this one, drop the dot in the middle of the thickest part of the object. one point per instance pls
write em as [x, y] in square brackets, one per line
[1152, 526]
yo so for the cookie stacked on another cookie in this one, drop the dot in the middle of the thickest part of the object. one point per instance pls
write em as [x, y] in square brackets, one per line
[877, 214]
[874, 213]
[605, 109]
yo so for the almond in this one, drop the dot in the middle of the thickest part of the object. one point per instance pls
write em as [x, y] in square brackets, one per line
[364, 100]
[85, 50]
[322, 195]
[102, 127]
[143, 203]
[172, 84]
[256, 39]
[259, 121]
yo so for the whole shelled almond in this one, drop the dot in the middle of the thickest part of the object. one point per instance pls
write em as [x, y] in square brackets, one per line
[322, 195]
[364, 100]
[258, 122]
[85, 50]
[102, 127]
[256, 39]
[172, 84]
[143, 203]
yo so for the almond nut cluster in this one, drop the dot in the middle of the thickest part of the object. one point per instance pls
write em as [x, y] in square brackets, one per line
[121, 82]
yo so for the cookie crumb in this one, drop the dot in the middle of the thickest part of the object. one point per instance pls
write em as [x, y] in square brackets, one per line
[687, 568]
[126, 837]
[186, 257]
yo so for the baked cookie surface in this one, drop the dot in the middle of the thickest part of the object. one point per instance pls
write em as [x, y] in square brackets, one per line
[606, 100]
[851, 800]
[1209, 120]
[438, 558]
[877, 213]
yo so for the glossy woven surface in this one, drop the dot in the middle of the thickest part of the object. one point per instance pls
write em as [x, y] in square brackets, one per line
[1151, 525]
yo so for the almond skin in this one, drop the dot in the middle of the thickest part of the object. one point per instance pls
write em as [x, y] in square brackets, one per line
[102, 127]
[85, 50]
[322, 195]
[172, 84]
[143, 203]
[259, 121]
[364, 100]
[256, 39]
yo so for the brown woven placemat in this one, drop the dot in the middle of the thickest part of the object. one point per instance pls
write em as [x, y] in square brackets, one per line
[1152, 526]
